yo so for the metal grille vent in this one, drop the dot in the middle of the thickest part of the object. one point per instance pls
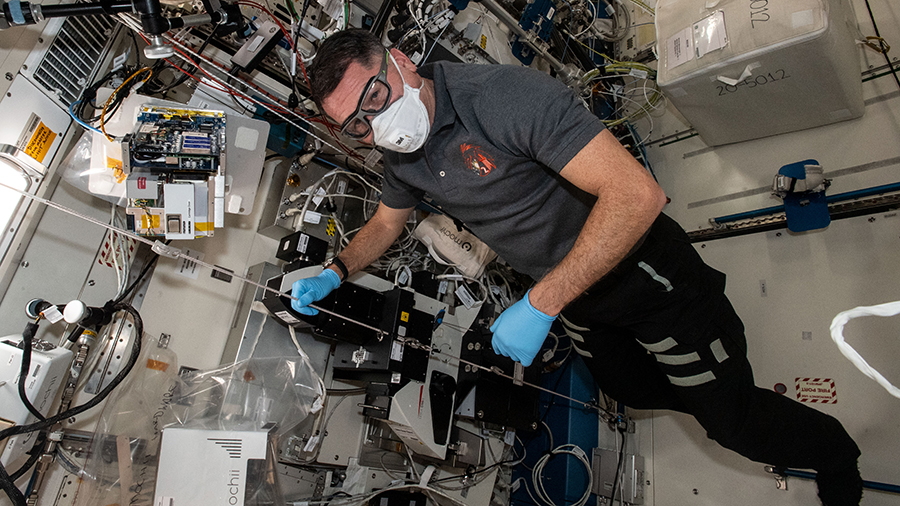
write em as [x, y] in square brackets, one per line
[71, 58]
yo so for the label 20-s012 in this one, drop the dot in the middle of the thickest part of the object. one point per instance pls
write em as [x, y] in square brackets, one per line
[753, 82]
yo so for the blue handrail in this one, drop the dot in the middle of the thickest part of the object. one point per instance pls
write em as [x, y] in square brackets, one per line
[831, 199]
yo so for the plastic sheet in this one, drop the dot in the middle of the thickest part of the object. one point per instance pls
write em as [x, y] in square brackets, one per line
[837, 334]
[121, 466]
[246, 396]
[91, 167]
[250, 394]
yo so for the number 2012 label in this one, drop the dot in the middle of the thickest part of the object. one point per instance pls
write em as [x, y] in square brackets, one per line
[752, 82]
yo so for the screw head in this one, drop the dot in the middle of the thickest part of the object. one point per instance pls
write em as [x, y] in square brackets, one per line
[91, 282]
[480, 414]
[9, 76]
[24, 263]
[24, 67]
[337, 457]
[695, 491]
[533, 425]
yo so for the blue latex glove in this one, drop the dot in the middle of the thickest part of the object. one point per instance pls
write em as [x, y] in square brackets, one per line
[309, 290]
[520, 331]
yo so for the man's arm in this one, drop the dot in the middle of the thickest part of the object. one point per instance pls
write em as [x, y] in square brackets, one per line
[628, 201]
[373, 239]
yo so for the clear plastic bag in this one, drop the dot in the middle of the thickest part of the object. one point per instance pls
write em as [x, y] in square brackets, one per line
[121, 466]
[251, 395]
[94, 166]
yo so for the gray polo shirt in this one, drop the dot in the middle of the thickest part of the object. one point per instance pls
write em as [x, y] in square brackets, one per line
[500, 136]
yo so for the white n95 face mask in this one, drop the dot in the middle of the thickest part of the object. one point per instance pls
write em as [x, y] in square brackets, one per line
[404, 126]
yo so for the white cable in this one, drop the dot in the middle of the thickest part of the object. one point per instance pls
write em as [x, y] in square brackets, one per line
[460, 277]
[408, 271]
[837, 334]
[112, 248]
[568, 449]
[296, 196]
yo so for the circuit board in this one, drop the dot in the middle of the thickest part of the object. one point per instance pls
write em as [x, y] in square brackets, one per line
[169, 139]
[174, 161]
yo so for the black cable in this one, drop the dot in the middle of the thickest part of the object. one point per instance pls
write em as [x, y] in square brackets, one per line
[137, 49]
[881, 42]
[184, 77]
[9, 487]
[473, 473]
[303, 13]
[6, 482]
[140, 277]
[36, 451]
[27, 338]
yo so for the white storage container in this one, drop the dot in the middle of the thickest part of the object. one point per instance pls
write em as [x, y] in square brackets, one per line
[744, 69]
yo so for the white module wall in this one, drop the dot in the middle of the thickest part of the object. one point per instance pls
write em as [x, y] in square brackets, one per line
[788, 287]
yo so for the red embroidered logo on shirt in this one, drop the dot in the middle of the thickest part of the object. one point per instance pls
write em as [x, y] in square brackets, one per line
[476, 159]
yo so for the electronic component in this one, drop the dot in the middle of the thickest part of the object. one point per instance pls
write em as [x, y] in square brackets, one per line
[169, 139]
[487, 397]
[232, 466]
[302, 246]
[257, 46]
[174, 159]
[49, 366]
[608, 467]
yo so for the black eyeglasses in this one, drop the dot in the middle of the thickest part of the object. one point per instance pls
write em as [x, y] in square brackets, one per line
[374, 100]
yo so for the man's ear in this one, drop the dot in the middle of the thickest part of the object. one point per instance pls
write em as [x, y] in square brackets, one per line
[403, 60]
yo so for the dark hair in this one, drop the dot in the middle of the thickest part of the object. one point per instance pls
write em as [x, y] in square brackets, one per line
[335, 55]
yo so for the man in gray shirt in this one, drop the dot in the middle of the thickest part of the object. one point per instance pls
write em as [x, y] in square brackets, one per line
[514, 155]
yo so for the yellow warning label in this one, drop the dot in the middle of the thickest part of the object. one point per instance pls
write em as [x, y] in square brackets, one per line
[149, 221]
[483, 42]
[330, 228]
[203, 226]
[40, 142]
[404, 316]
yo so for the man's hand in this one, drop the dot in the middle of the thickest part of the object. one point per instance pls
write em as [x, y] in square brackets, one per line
[309, 290]
[520, 331]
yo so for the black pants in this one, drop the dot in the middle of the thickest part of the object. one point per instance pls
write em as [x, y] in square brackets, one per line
[658, 333]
